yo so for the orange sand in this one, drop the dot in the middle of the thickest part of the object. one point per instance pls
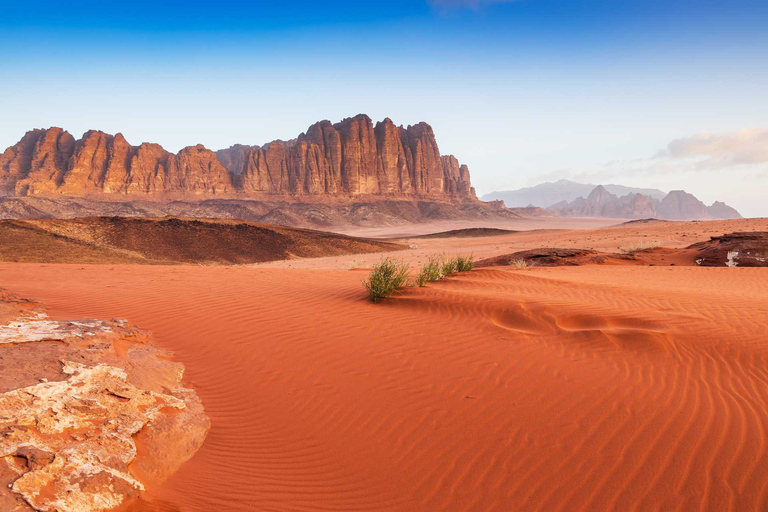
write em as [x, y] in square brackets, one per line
[541, 232]
[580, 388]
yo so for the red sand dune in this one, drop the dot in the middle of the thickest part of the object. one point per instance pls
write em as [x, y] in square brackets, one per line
[581, 388]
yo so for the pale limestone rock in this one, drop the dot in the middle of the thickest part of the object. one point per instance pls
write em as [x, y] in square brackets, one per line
[67, 442]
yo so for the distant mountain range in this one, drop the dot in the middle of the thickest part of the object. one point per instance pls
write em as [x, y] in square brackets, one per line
[547, 194]
[614, 201]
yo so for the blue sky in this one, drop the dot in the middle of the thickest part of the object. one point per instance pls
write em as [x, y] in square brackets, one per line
[522, 91]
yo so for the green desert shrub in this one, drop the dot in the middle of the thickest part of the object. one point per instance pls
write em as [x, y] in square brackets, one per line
[464, 263]
[449, 266]
[519, 263]
[431, 271]
[387, 276]
[437, 268]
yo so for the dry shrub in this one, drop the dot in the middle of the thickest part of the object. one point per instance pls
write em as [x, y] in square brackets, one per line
[387, 276]
[437, 268]
[464, 263]
[640, 246]
[519, 263]
[432, 271]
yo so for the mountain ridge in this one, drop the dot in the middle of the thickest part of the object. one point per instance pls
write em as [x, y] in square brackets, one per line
[677, 205]
[350, 158]
[549, 193]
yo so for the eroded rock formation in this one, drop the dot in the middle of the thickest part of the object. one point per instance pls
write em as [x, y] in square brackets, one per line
[74, 397]
[733, 250]
[545, 257]
[346, 159]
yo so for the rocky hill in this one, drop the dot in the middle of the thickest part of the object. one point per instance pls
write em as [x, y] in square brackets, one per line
[350, 159]
[677, 205]
[720, 210]
[170, 241]
[297, 212]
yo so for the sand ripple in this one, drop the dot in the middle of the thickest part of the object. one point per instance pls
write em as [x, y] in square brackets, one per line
[590, 388]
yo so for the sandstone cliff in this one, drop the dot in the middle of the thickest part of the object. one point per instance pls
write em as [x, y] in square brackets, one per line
[347, 159]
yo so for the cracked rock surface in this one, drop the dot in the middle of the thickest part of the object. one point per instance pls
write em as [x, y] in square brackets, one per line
[89, 412]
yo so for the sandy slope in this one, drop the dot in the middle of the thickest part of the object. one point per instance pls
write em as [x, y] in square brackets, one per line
[128, 240]
[591, 388]
[540, 232]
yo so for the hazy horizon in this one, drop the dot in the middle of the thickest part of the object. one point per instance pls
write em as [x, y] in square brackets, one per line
[655, 95]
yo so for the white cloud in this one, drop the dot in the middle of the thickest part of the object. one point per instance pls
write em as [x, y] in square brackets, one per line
[744, 151]
[730, 167]
[748, 146]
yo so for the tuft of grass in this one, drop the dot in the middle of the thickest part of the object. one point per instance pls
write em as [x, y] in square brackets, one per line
[519, 263]
[437, 268]
[387, 276]
[448, 266]
[464, 263]
[640, 246]
[432, 271]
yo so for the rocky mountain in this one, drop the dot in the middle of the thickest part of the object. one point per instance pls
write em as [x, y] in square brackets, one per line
[593, 206]
[561, 191]
[720, 210]
[681, 205]
[633, 206]
[601, 203]
[677, 205]
[348, 159]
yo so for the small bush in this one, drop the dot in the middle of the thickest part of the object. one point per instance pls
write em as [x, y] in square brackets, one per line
[449, 266]
[640, 246]
[432, 271]
[386, 277]
[464, 263]
[437, 268]
[519, 263]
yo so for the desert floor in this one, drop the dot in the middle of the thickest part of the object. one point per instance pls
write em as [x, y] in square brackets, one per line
[597, 388]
